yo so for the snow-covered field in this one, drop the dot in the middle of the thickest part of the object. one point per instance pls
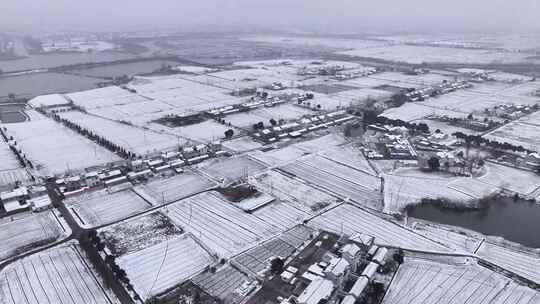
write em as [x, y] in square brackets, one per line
[54, 149]
[25, 231]
[345, 182]
[232, 168]
[519, 134]
[8, 161]
[160, 267]
[293, 191]
[349, 219]
[242, 144]
[281, 214]
[350, 156]
[223, 283]
[421, 280]
[174, 188]
[223, 228]
[138, 233]
[456, 239]
[206, 131]
[103, 97]
[278, 157]
[419, 54]
[521, 181]
[60, 274]
[137, 140]
[102, 208]
[525, 264]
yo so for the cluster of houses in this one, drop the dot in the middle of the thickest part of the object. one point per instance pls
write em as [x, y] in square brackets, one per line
[432, 91]
[261, 99]
[511, 111]
[328, 276]
[322, 70]
[389, 142]
[139, 169]
[24, 198]
[351, 74]
[301, 127]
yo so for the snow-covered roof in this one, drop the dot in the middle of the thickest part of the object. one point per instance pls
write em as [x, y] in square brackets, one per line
[40, 202]
[380, 255]
[370, 270]
[351, 249]
[337, 266]
[316, 291]
[15, 193]
[359, 286]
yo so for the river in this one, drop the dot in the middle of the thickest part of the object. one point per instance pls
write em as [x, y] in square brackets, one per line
[517, 221]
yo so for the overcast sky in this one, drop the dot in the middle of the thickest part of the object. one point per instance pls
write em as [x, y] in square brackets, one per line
[320, 15]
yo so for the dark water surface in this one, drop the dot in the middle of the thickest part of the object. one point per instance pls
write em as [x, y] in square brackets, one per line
[515, 221]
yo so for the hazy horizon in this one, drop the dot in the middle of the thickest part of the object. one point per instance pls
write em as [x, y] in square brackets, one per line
[290, 15]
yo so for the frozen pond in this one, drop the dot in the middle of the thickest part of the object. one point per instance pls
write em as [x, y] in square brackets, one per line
[515, 221]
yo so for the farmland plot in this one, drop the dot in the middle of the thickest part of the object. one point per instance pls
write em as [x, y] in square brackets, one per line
[104, 97]
[222, 227]
[521, 181]
[53, 148]
[102, 208]
[350, 156]
[25, 231]
[401, 191]
[232, 168]
[448, 236]
[519, 134]
[293, 191]
[473, 187]
[163, 191]
[321, 143]
[206, 131]
[279, 157]
[349, 219]
[281, 214]
[138, 233]
[525, 264]
[134, 139]
[438, 282]
[8, 161]
[160, 267]
[345, 182]
[58, 275]
[242, 144]
[221, 284]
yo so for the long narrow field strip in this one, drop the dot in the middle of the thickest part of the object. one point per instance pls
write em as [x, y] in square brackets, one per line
[524, 264]
[345, 182]
[26, 231]
[176, 187]
[160, 267]
[427, 282]
[281, 214]
[106, 208]
[232, 168]
[349, 219]
[57, 275]
[222, 227]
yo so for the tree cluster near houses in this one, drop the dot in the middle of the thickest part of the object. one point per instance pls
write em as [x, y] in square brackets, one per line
[478, 140]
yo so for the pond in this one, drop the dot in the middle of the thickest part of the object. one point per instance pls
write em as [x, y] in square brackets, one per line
[11, 113]
[517, 221]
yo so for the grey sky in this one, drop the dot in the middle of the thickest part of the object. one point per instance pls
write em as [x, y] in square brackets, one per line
[332, 15]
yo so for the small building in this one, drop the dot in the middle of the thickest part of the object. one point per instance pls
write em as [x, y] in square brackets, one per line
[40, 203]
[92, 179]
[17, 194]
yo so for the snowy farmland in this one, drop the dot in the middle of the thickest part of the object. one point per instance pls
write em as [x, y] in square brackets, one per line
[519, 134]
[232, 168]
[10, 169]
[25, 231]
[134, 139]
[60, 274]
[168, 190]
[345, 182]
[279, 157]
[349, 219]
[223, 228]
[421, 280]
[138, 233]
[100, 208]
[525, 264]
[223, 283]
[160, 267]
[293, 191]
[520, 181]
[206, 131]
[54, 149]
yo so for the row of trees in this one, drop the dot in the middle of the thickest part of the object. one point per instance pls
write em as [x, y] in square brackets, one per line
[97, 138]
[421, 127]
[478, 140]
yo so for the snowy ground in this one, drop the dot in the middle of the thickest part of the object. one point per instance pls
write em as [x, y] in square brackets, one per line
[278, 157]
[293, 191]
[138, 233]
[206, 131]
[160, 267]
[232, 168]
[282, 215]
[58, 275]
[345, 182]
[102, 208]
[54, 149]
[25, 231]
[135, 139]
[223, 283]
[223, 228]
[519, 134]
[422, 280]
[8, 161]
[521, 181]
[350, 156]
[162, 191]
[349, 219]
[525, 264]
[242, 144]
